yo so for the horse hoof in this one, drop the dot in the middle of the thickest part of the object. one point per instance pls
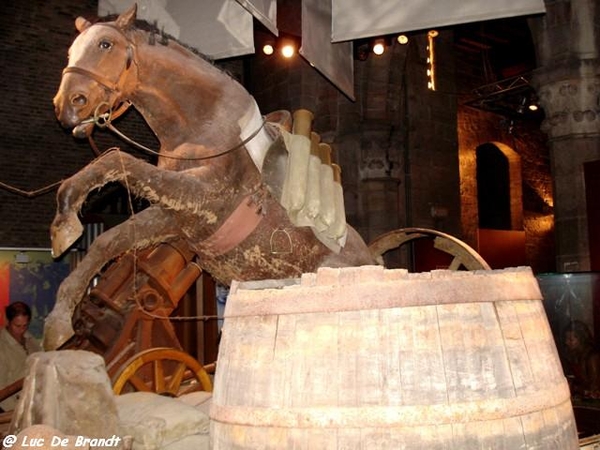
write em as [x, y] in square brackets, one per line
[64, 233]
[57, 331]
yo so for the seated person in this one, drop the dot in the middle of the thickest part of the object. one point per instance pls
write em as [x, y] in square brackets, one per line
[16, 343]
[582, 361]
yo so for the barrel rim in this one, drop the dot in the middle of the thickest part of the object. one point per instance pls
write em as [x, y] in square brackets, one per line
[372, 287]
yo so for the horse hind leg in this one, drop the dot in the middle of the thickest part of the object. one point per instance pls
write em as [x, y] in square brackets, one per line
[148, 227]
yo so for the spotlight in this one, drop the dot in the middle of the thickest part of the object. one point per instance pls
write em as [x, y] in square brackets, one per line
[268, 49]
[533, 107]
[402, 39]
[378, 47]
[288, 50]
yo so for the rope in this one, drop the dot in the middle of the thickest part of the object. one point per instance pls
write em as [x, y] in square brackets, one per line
[30, 194]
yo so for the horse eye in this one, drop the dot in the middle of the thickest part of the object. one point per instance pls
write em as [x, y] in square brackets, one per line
[105, 45]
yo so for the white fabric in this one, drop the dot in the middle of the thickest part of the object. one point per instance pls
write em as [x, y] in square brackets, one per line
[335, 61]
[294, 186]
[338, 228]
[312, 203]
[259, 145]
[217, 28]
[327, 206]
[355, 19]
[156, 422]
[265, 11]
[329, 224]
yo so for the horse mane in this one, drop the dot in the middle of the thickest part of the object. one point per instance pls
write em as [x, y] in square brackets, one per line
[158, 36]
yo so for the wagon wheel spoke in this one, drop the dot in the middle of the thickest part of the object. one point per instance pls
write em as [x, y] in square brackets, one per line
[164, 371]
[189, 389]
[456, 263]
[139, 384]
[177, 378]
[159, 376]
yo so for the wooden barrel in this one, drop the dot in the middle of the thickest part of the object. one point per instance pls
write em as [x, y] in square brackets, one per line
[368, 358]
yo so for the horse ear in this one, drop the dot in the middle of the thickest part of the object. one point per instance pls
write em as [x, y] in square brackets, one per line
[127, 19]
[81, 24]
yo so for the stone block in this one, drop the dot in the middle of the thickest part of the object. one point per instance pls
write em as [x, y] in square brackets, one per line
[68, 390]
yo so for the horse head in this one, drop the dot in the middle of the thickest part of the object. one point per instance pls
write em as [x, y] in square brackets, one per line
[100, 71]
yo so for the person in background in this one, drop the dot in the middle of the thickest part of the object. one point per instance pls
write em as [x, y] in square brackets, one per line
[582, 361]
[16, 343]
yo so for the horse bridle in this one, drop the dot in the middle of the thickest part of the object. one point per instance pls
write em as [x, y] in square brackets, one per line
[101, 80]
[104, 120]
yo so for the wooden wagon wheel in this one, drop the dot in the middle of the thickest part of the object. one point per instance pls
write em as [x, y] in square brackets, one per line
[147, 371]
[463, 254]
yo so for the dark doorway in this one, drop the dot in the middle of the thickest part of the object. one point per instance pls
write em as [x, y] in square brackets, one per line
[493, 188]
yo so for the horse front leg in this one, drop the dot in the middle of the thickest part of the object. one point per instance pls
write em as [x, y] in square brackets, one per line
[111, 166]
[146, 228]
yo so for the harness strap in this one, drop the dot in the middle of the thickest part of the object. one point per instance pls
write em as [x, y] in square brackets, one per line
[113, 86]
[235, 229]
[110, 85]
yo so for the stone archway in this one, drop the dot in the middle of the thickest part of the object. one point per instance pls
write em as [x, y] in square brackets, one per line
[500, 237]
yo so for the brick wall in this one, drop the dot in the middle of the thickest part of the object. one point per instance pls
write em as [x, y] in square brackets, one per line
[35, 151]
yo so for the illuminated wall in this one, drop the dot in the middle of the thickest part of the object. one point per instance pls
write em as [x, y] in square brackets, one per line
[33, 277]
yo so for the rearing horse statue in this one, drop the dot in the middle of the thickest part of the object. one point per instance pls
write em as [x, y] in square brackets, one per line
[207, 186]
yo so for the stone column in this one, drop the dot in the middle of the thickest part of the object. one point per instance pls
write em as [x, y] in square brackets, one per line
[568, 86]
[369, 139]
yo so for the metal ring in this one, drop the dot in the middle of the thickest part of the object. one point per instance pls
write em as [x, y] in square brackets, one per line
[102, 120]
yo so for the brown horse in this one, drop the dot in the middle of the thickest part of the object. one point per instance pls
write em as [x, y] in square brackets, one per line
[207, 186]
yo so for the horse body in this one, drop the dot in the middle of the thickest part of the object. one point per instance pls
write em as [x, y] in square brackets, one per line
[207, 185]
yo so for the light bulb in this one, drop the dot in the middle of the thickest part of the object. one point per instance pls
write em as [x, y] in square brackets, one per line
[378, 48]
[288, 51]
[268, 49]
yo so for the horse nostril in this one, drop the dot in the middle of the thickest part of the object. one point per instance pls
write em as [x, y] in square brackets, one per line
[79, 100]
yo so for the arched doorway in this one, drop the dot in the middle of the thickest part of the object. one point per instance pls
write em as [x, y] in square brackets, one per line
[501, 239]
